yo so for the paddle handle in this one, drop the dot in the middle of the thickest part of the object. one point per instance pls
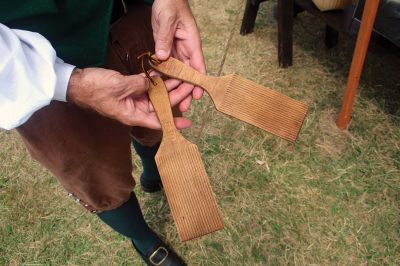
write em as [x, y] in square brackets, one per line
[159, 98]
[176, 69]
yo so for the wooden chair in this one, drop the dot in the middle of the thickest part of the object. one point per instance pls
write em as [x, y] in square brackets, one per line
[336, 21]
[286, 10]
[249, 16]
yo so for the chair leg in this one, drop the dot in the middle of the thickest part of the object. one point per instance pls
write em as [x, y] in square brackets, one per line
[249, 17]
[360, 52]
[285, 32]
[297, 10]
[331, 37]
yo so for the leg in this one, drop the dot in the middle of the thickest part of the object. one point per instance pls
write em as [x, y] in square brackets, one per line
[128, 221]
[145, 141]
[90, 154]
[249, 17]
[297, 9]
[331, 37]
[360, 52]
[285, 32]
[129, 37]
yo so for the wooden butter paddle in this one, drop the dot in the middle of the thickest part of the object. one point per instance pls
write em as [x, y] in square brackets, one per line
[243, 99]
[183, 176]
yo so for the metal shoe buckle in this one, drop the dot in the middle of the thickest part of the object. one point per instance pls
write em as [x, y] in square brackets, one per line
[155, 253]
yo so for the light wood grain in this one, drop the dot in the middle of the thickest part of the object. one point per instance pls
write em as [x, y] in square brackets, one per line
[357, 64]
[183, 175]
[244, 99]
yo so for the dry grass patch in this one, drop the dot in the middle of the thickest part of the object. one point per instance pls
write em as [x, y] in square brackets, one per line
[330, 199]
[332, 141]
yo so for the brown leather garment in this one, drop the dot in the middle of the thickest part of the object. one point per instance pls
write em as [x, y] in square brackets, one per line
[90, 154]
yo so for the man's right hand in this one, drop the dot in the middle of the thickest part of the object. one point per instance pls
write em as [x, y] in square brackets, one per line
[122, 98]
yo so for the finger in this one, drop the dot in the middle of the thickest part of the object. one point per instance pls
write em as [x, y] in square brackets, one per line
[133, 85]
[185, 104]
[197, 61]
[182, 122]
[151, 107]
[152, 122]
[149, 121]
[177, 95]
[165, 35]
[182, 92]
[197, 93]
[152, 73]
[171, 84]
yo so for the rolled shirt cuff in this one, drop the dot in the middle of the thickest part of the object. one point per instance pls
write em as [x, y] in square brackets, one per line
[63, 73]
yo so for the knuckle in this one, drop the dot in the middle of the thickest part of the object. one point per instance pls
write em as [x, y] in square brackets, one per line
[164, 39]
[141, 82]
[168, 17]
[117, 83]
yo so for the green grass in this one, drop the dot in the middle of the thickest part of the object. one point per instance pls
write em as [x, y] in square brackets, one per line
[331, 199]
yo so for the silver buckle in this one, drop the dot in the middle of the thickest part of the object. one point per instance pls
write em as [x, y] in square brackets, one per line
[155, 252]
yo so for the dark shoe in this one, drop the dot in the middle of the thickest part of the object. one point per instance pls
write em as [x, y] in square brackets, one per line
[161, 255]
[150, 186]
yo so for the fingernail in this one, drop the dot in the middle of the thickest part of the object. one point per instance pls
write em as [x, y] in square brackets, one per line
[162, 54]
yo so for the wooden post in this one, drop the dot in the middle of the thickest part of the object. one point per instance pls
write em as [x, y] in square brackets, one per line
[285, 32]
[360, 52]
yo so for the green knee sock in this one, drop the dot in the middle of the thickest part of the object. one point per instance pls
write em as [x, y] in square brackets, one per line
[146, 154]
[128, 221]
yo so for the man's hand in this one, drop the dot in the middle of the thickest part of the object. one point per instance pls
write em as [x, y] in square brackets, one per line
[122, 98]
[175, 32]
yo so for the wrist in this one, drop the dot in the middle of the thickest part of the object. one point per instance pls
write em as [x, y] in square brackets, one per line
[73, 84]
[178, 5]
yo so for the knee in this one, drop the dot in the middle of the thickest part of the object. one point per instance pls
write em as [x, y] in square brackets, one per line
[99, 200]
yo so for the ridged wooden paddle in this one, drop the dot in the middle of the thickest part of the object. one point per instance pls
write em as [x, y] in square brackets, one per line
[243, 99]
[183, 175]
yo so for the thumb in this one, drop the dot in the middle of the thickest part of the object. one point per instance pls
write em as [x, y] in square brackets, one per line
[134, 85]
[165, 36]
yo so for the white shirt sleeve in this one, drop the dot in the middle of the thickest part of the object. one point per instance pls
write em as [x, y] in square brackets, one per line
[31, 75]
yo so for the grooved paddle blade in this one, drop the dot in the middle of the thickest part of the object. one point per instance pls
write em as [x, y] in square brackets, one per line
[262, 107]
[243, 99]
[188, 189]
[182, 172]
